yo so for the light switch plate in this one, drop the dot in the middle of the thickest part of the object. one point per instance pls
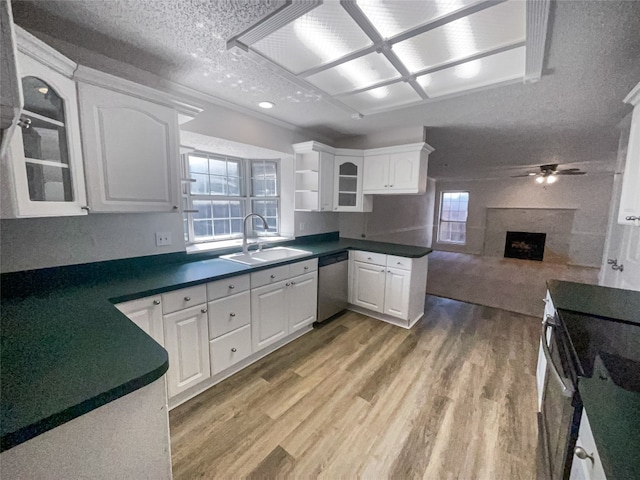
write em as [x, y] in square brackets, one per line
[163, 239]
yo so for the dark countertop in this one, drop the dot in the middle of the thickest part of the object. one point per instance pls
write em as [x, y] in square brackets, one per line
[604, 323]
[65, 350]
[613, 303]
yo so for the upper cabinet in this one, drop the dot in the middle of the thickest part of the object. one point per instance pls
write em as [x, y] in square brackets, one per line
[131, 149]
[629, 213]
[348, 175]
[11, 91]
[42, 166]
[396, 170]
[314, 177]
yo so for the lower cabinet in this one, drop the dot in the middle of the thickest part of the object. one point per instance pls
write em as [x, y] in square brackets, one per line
[586, 463]
[146, 313]
[187, 342]
[284, 306]
[230, 348]
[391, 286]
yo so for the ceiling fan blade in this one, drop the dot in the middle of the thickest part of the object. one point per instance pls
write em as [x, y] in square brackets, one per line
[569, 172]
[518, 176]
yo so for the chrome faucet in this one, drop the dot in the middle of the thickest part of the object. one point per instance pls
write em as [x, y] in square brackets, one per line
[245, 245]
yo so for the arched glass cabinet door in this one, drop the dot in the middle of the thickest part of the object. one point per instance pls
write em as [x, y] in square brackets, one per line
[347, 184]
[44, 139]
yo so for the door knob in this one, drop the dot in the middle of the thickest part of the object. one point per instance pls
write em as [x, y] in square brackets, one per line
[234, 349]
[582, 454]
[156, 302]
[232, 314]
[187, 299]
[204, 310]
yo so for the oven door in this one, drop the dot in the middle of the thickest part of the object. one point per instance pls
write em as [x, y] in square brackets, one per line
[560, 404]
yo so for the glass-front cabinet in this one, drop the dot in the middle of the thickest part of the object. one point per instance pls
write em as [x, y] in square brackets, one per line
[348, 195]
[44, 162]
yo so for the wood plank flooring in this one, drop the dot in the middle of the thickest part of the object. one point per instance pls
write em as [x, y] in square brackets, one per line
[452, 398]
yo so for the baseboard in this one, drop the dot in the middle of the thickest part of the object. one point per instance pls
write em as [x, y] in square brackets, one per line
[385, 318]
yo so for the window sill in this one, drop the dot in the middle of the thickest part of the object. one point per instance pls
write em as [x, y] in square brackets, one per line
[226, 245]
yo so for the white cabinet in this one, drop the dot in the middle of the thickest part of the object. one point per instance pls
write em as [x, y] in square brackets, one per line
[348, 196]
[541, 370]
[314, 163]
[131, 151]
[187, 341]
[11, 91]
[629, 213]
[589, 467]
[396, 170]
[42, 170]
[367, 286]
[282, 301]
[146, 313]
[387, 287]
[229, 349]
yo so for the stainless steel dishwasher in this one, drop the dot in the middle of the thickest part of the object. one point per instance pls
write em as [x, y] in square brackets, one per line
[333, 273]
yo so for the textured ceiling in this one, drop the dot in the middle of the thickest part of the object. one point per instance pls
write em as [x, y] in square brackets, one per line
[593, 61]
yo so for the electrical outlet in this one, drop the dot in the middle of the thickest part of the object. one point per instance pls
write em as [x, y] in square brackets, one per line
[303, 225]
[163, 239]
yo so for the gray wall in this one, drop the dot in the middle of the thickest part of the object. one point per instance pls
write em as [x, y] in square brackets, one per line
[404, 219]
[589, 195]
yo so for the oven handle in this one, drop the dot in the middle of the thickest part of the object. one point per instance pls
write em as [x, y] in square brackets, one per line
[567, 390]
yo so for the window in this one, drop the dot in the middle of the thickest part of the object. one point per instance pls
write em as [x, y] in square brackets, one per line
[452, 227]
[221, 190]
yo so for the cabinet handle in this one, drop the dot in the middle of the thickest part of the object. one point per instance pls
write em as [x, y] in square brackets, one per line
[288, 284]
[204, 310]
[86, 207]
[368, 258]
[335, 208]
[234, 349]
[187, 299]
[399, 263]
[272, 277]
[383, 270]
[632, 218]
[24, 123]
[390, 185]
[231, 287]
[156, 302]
[292, 282]
[306, 268]
[232, 314]
[386, 186]
[582, 454]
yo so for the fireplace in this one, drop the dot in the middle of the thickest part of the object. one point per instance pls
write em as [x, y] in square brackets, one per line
[525, 245]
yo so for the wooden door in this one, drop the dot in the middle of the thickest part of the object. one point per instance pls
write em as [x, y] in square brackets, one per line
[186, 338]
[269, 314]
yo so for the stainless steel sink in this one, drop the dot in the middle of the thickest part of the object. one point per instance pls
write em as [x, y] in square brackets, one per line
[265, 257]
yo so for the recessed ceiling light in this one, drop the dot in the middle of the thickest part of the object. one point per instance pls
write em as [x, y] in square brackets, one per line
[43, 90]
[266, 104]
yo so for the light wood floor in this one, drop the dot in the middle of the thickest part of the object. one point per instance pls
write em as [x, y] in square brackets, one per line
[452, 398]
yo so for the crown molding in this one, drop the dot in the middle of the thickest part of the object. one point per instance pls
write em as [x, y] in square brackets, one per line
[312, 146]
[43, 53]
[537, 25]
[408, 147]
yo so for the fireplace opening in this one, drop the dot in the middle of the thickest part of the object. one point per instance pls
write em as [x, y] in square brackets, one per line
[525, 245]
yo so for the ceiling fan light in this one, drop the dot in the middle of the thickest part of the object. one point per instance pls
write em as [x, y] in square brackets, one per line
[552, 179]
[539, 179]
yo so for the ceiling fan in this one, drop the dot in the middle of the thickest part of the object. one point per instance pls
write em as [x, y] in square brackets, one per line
[548, 173]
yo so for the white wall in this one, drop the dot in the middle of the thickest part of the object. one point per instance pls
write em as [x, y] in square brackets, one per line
[404, 219]
[589, 195]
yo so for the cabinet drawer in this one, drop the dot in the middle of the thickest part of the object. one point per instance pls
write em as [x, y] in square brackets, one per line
[227, 314]
[230, 349]
[228, 287]
[300, 268]
[399, 262]
[369, 257]
[183, 298]
[271, 275]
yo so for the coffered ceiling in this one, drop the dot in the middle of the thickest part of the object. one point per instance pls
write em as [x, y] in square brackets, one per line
[591, 61]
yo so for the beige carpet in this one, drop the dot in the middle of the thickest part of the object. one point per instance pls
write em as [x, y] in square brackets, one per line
[510, 284]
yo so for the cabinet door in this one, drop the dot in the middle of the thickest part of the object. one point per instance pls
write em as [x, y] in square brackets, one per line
[368, 283]
[43, 164]
[396, 293]
[131, 150]
[375, 174]
[326, 181]
[146, 313]
[186, 338]
[404, 171]
[347, 184]
[629, 213]
[303, 301]
[230, 348]
[269, 314]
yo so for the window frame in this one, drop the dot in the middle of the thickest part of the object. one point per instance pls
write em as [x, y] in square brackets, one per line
[246, 197]
[441, 220]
